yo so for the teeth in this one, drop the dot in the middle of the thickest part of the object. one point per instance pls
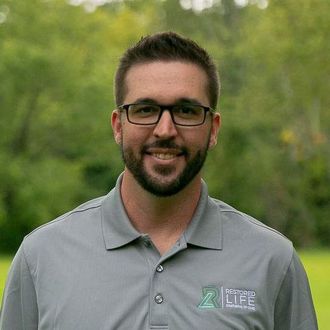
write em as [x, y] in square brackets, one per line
[164, 156]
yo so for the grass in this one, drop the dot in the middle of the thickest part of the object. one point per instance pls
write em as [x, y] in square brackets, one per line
[317, 265]
[4, 266]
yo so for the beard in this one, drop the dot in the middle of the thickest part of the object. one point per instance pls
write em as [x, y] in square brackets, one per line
[156, 186]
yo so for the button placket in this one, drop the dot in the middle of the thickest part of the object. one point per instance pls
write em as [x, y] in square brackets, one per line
[159, 298]
[158, 304]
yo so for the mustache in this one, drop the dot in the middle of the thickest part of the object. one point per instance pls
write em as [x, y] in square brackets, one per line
[166, 144]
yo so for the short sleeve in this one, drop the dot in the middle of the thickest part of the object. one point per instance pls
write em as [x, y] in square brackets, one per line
[19, 304]
[294, 308]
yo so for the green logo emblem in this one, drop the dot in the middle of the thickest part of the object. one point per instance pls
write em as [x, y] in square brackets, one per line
[210, 298]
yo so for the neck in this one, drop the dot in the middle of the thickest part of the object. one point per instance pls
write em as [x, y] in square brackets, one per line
[164, 219]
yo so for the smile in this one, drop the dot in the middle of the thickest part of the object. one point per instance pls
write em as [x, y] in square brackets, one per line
[164, 156]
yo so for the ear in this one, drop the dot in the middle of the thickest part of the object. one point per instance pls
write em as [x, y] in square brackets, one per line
[216, 124]
[116, 125]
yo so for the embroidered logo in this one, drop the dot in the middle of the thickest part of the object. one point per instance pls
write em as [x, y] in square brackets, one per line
[221, 297]
[210, 298]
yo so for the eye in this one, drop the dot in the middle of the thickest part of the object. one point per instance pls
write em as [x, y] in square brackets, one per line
[187, 110]
[143, 109]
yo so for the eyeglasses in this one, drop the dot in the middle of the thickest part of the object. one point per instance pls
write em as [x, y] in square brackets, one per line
[181, 114]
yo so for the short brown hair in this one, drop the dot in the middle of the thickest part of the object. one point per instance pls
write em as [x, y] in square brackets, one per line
[167, 46]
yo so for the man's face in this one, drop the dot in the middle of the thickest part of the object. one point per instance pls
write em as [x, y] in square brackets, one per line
[164, 158]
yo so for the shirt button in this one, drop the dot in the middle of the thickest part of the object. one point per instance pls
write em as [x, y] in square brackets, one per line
[159, 268]
[146, 240]
[147, 243]
[159, 298]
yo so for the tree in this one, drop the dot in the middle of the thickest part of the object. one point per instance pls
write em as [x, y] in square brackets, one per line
[280, 123]
[56, 148]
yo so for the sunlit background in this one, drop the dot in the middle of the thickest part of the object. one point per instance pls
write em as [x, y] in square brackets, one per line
[57, 64]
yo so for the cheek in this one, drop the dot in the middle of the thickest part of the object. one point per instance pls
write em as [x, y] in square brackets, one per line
[197, 140]
[133, 139]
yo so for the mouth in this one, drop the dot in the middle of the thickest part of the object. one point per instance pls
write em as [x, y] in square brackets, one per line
[164, 154]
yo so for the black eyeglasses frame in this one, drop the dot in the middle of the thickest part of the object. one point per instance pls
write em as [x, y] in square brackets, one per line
[164, 108]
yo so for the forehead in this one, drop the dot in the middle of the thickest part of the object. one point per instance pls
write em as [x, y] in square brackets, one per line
[166, 81]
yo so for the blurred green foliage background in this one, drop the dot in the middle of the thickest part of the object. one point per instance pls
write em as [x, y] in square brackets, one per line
[57, 60]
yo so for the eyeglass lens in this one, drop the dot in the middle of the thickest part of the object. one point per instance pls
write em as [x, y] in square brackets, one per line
[181, 114]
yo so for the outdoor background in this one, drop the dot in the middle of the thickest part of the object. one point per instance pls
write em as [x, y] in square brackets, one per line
[57, 60]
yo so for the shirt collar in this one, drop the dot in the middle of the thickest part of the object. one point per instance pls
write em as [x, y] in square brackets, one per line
[116, 226]
[204, 230]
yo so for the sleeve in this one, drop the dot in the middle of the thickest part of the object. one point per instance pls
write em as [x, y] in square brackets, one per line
[294, 308]
[19, 309]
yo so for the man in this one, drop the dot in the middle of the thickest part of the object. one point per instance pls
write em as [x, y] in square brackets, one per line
[157, 252]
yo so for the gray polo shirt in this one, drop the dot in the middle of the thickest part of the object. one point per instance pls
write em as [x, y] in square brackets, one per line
[90, 269]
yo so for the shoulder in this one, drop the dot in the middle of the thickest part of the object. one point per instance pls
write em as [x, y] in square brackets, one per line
[82, 210]
[247, 233]
[238, 218]
[74, 222]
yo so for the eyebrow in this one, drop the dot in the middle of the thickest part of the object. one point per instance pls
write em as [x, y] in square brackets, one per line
[183, 100]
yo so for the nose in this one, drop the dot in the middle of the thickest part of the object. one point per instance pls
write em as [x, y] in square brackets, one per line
[165, 128]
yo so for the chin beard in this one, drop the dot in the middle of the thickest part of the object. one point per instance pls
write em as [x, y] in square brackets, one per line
[158, 187]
